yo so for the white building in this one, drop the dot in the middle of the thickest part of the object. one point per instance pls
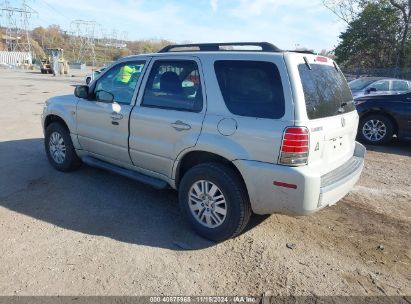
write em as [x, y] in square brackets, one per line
[15, 58]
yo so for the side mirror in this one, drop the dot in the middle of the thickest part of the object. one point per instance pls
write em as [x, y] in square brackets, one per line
[369, 90]
[81, 92]
[104, 96]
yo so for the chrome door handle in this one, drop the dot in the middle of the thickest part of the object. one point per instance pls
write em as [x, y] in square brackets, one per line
[180, 126]
[116, 116]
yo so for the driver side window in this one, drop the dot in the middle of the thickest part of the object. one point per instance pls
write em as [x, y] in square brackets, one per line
[119, 83]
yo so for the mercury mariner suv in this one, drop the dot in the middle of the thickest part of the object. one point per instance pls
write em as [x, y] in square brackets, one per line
[236, 128]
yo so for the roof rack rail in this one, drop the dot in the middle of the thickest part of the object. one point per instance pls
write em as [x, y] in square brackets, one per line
[213, 47]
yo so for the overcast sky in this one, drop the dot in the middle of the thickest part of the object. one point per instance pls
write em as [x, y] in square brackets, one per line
[286, 23]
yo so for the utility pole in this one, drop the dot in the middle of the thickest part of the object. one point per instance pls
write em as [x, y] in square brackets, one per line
[124, 38]
[84, 40]
[16, 20]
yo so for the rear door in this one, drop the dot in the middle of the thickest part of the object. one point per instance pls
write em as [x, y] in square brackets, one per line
[324, 104]
[403, 115]
[400, 86]
[169, 115]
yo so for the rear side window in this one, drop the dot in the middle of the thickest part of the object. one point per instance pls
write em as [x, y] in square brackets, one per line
[401, 86]
[251, 88]
[326, 91]
[174, 85]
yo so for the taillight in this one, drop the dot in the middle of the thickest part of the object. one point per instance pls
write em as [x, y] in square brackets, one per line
[322, 59]
[295, 146]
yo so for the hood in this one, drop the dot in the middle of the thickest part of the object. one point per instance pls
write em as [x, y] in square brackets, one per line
[62, 99]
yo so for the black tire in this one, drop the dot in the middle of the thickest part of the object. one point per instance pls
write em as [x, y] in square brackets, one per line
[71, 160]
[238, 208]
[387, 126]
[88, 80]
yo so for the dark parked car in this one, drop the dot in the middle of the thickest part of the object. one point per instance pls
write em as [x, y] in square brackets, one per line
[378, 86]
[382, 116]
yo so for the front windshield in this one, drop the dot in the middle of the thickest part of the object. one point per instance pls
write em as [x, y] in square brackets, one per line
[359, 84]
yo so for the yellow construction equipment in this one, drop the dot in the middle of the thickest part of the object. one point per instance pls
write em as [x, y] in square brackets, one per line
[54, 63]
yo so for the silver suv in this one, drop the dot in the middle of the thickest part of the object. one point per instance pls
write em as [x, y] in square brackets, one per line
[235, 131]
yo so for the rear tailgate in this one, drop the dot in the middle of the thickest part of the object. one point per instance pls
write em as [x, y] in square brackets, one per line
[323, 104]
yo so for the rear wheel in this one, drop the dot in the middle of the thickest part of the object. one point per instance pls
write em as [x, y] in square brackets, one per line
[59, 148]
[214, 200]
[376, 130]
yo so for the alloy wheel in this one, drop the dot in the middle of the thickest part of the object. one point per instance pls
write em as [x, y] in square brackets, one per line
[207, 204]
[374, 130]
[57, 147]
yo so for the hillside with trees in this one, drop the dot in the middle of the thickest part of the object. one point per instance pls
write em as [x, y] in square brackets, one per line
[54, 37]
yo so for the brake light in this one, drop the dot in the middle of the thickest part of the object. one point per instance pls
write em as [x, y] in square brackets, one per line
[322, 59]
[295, 146]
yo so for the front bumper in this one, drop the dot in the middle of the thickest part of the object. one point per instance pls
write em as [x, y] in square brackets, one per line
[312, 191]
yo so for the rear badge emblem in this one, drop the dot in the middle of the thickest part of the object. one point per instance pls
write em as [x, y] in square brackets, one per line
[316, 129]
[343, 121]
[317, 147]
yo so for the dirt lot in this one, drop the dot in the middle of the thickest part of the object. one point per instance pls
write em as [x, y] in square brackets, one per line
[93, 233]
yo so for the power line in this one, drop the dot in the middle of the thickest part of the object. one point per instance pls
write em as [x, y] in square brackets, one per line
[58, 12]
[83, 36]
[17, 21]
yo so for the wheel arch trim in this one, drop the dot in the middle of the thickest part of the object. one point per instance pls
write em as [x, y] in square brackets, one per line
[53, 116]
[213, 157]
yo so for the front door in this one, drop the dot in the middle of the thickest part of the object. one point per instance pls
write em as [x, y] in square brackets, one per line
[102, 121]
[169, 115]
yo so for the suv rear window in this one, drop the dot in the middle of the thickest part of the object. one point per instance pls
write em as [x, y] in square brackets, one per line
[251, 88]
[326, 91]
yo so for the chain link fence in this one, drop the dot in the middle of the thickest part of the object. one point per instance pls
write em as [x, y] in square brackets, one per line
[351, 74]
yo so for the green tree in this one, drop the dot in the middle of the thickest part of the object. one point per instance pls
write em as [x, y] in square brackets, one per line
[345, 10]
[372, 39]
[404, 7]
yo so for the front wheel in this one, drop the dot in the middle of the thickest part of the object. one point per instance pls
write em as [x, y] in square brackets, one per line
[376, 130]
[214, 200]
[59, 148]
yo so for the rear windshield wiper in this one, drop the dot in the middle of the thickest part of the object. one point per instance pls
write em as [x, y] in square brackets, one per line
[307, 63]
[342, 105]
[336, 67]
[346, 103]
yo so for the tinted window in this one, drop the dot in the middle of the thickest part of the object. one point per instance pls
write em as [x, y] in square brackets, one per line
[398, 85]
[119, 83]
[326, 91]
[174, 85]
[359, 84]
[251, 88]
[381, 85]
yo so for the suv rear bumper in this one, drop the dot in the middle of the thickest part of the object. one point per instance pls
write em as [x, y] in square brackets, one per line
[303, 191]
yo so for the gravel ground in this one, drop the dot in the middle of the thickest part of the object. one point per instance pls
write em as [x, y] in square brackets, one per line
[93, 233]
